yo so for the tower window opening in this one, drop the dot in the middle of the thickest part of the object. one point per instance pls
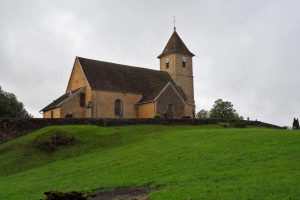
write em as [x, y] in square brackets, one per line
[167, 65]
[183, 64]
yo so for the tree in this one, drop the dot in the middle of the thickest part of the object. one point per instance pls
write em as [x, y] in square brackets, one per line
[202, 114]
[296, 124]
[224, 110]
[11, 107]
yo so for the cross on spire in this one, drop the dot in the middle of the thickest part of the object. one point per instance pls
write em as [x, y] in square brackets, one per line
[174, 23]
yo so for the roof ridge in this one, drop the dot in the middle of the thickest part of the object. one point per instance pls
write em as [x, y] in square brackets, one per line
[158, 85]
[122, 65]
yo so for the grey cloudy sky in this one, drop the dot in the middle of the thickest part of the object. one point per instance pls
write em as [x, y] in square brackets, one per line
[246, 51]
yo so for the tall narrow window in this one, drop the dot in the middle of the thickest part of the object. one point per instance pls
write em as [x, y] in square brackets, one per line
[118, 108]
[170, 111]
[52, 114]
[183, 61]
[82, 100]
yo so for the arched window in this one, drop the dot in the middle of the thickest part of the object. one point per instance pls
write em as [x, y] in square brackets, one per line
[183, 64]
[118, 108]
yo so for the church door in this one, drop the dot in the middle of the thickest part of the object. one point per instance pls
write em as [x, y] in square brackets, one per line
[170, 111]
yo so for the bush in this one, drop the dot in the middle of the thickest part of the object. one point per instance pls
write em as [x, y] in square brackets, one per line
[50, 142]
[237, 124]
[156, 117]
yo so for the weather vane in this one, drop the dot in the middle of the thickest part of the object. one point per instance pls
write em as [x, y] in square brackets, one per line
[174, 22]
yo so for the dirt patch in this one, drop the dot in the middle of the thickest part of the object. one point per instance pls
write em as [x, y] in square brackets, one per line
[54, 195]
[126, 193]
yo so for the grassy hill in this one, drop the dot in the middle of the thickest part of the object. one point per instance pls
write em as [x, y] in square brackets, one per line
[178, 162]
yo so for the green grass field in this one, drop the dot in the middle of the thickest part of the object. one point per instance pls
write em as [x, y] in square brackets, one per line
[184, 162]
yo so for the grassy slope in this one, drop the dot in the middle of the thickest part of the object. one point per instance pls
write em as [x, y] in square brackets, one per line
[190, 162]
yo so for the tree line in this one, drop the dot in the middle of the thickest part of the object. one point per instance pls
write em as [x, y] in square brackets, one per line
[10, 107]
[222, 110]
[296, 124]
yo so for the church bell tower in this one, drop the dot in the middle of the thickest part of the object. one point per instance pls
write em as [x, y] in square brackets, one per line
[177, 60]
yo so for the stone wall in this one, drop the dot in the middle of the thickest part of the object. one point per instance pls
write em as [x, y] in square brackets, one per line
[146, 110]
[77, 80]
[72, 106]
[104, 106]
[56, 113]
[169, 96]
[183, 76]
[12, 128]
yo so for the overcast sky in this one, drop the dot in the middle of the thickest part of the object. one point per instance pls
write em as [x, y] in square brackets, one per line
[247, 52]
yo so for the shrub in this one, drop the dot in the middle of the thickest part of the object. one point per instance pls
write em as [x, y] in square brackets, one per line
[237, 124]
[156, 117]
[50, 142]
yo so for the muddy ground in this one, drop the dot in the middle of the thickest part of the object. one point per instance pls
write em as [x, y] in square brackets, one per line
[125, 193]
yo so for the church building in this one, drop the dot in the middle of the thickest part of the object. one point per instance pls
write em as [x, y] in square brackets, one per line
[98, 89]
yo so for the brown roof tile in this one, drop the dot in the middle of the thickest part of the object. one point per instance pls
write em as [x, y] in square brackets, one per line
[152, 93]
[175, 45]
[123, 78]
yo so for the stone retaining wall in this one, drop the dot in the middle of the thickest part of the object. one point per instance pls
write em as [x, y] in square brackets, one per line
[12, 128]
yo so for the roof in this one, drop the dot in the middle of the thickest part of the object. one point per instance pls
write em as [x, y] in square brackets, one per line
[114, 77]
[122, 78]
[152, 93]
[175, 45]
[57, 102]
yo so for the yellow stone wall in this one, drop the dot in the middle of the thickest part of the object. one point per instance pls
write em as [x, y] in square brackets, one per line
[104, 106]
[146, 110]
[175, 65]
[189, 111]
[72, 106]
[77, 80]
[183, 76]
[163, 67]
[56, 113]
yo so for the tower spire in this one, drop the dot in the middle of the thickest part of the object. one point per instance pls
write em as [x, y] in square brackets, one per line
[174, 23]
[175, 45]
